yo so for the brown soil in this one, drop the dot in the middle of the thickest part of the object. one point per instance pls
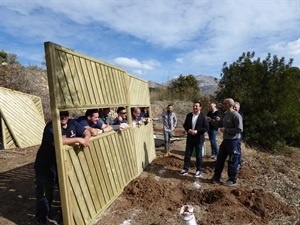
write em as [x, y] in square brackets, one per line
[268, 191]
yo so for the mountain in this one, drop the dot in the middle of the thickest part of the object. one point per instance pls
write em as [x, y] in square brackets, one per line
[207, 84]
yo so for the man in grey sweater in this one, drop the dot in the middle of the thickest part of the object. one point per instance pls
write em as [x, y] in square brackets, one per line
[231, 125]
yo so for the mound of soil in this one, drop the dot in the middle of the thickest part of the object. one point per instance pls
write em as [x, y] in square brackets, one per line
[156, 197]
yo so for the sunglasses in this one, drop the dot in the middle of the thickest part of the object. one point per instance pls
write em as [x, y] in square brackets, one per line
[123, 112]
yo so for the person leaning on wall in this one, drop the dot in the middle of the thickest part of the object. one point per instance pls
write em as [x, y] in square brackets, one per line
[46, 177]
[105, 118]
[91, 122]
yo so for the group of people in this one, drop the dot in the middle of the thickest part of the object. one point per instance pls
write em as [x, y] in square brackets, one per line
[79, 130]
[229, 123]
[98, 121]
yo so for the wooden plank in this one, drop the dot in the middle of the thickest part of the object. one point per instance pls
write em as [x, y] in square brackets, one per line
[116, 148]
[91, 178]
[85, 181]
[98, 179]
[113, 168]
[130, 150]
[97, 80]
[107, 191]
[77, 215]
[82, 82]
[107, 87]
[123, 157]
[79, 187]
[110, 171]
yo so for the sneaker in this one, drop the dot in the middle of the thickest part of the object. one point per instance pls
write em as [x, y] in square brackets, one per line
[183, 172]
[168, 154]
[230, 183]
[198, 174]
[215, 180]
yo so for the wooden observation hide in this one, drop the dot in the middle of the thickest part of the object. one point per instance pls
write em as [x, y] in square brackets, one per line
[21, 119]
[91, 178]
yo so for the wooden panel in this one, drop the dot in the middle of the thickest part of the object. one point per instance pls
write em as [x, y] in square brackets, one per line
[144, 146]
[138, 92]
[23, 118]
[97, 179]
[7, 138]
[93, 177]
[85, 82]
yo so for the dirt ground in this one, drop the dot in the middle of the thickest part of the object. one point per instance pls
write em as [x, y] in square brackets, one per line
[268, 191]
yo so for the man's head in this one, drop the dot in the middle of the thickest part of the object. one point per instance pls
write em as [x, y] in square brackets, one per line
[136, 112]
[64, 117]
[122, 112]
[212, 106]
[170, 108]
[228, 103]
[236, 106]
[104, 111]
[92, 116]
[197, 107]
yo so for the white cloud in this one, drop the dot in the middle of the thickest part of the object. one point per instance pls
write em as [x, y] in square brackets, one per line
[199, 35]
[134, 63]
[291, 48]
[180, 60]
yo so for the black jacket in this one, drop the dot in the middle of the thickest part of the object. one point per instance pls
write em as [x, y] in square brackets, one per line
[213, 116]
[201, 127]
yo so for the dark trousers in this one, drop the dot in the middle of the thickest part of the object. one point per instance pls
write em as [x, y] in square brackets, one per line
[190, 145]
[44, 187]
[240, 149]
[228, 148]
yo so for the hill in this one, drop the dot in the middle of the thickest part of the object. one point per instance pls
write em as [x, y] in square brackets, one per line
[207, 84]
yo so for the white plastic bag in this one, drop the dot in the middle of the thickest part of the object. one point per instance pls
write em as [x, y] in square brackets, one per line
[187, 215]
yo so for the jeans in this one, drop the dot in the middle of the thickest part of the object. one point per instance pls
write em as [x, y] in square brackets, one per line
[167, 136]
[228, 147]
[188, 153]
[240, 149]
[212, 134]
[44, 187]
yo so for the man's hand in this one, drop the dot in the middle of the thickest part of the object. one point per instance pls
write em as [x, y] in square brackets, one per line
[124, 126]
[192, 132]
[84, 142]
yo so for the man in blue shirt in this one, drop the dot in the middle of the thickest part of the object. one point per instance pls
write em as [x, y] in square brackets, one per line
[45, 162]
[91, 122]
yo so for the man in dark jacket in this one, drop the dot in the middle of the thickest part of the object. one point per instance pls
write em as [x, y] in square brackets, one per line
[213, 129]
[195, 125]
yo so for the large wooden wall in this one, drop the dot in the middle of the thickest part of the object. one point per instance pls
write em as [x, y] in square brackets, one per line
[91, 178]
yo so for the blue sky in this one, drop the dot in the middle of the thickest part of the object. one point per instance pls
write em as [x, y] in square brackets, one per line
[155, 40]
